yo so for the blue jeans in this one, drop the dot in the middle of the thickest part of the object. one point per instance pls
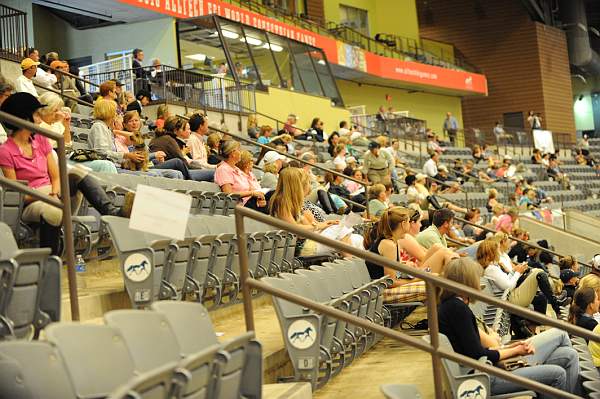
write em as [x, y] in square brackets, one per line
[99, 165]
[558, 365]
[202, 174]
[174, 165]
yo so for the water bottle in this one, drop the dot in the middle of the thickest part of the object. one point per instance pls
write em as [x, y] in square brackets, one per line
[80, 264]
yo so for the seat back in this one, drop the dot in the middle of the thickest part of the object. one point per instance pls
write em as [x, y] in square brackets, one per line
[33, 369]
[96, 357]
[157, 383]
[8, 244]
[148, 335]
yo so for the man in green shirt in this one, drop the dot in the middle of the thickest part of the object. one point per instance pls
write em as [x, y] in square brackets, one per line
[434, 234]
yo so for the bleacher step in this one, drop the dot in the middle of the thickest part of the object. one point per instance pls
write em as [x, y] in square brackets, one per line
[293, 390]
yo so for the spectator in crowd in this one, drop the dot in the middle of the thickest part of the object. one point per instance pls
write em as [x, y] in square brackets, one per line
[270, 176]
[450, 127]
[162, 114]
[66, 84]
[377, 200]
[478, 154]
[569, 274]
[265, 133]
[381, 115]
[416, 191]
[172, 141]
[430, 167]
[343, 130]
[383, 238]
[138, 59]
[174, 168]
[156, 71]
[29, 157]
[501, 134]
[142, 98]
[336, 186]
[474, 216]
[534, 120]
[101, 138]
[555, 172]
[432, 144]
[339, 157]
[315, 132]
[245, 164]
[492, 199]
[356, 174]
[378, 164]
[508, 221]
[252, 129]
[585, 304]
[435, 234]
[536, 157]
[528, 200]
[199, 155]
[6, 89]
[108, 90]
[554, 361]
[54, 117]
[584, 145]
[213, 144]
[332, 141]
[24, 83]
[290, 126]
[41, 77]
[233, 180]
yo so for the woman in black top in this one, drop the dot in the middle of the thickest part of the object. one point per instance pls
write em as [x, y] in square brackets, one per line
[557, 362]
[585, 304]
[382, 239]
[332, 140]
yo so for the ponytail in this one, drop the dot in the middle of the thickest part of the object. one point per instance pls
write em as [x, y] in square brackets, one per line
[581, 300]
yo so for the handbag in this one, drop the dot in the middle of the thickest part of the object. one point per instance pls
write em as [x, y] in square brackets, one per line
[85, 155]
[513, 363]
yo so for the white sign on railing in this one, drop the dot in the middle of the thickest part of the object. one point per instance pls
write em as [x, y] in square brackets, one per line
[101, 71]
[542, 140]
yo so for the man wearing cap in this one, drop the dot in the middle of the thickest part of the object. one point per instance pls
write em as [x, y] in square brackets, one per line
[41, 77]
[378, 164]
[570, 279]
[66, 82]
[24, 83]
[272, 157]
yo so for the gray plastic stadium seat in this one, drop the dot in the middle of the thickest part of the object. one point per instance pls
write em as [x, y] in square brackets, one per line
[96, 357]
[241, 368]
[33, 370]
[157, 383]
[396, 391]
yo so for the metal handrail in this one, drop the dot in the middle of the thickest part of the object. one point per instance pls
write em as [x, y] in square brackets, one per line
[432, 282]
[65, 205]
[62, 94]
[319, 167]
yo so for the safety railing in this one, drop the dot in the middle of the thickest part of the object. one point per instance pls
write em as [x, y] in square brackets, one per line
[13, 33]
[190, 89]
[64, 205]
[432, 282]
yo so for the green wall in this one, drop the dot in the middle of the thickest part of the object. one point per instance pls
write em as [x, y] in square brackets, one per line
[430, 107]
[385, 16]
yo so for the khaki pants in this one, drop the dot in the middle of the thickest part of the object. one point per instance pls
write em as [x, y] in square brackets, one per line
[35, 211]
[523, 294]
[378, 176]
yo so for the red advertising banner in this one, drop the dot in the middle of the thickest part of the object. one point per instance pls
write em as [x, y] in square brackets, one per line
[337, 52]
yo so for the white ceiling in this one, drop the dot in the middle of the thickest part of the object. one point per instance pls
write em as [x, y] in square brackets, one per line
[109, 10]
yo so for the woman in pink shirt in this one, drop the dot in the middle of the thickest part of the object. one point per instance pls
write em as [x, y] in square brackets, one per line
[233, 180]
[508, 221]
[29, 157]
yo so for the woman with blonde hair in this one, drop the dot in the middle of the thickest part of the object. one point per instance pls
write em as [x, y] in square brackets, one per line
[523, 282]
[162, 114]
[492, 199]
[377, 200]
[552, 359]
[55, 116]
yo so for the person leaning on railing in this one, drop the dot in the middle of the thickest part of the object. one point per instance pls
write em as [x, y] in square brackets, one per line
[28, 156]
[553, 360]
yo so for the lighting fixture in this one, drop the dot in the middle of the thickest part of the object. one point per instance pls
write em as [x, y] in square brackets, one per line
[275, 47]
[322, 62]
[252, 41]
[229, 34]
[197, 57]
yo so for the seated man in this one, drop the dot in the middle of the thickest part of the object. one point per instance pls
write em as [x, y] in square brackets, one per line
[435, 234]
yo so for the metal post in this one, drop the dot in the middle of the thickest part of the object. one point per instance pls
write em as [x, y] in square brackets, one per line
[68, 230]
[244, 275]
[436, 360]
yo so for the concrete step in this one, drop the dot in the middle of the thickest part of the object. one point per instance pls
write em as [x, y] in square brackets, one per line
[293, 390]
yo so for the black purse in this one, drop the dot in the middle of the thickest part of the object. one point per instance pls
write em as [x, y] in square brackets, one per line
[85, 155]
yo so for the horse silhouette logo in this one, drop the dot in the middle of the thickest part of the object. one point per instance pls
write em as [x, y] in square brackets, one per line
[472, 389]
[302, 334]
[137, 267]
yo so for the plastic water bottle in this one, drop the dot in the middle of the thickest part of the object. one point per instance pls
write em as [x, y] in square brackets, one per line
[80, 264]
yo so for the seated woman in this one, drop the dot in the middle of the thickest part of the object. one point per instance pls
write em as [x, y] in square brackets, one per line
[492, 199]
[581, 313]
[383, 239]
[171, 141]
[416, 190]
[554, 361]
[233, 180]
[339, 158]
[473, 215]
[377, 200]
[213, 145]
[523, 282]
[29, 157]
[356, 174]
[172, 168]
[287, 204]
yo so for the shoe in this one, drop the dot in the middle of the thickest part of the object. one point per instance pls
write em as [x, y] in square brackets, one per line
[127, 205]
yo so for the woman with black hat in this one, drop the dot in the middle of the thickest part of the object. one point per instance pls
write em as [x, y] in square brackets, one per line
[28, 156]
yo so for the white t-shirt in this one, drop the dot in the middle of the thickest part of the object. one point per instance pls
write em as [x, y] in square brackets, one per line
[56, 127]
[3, 135]
[340, 162]
[24, 85]
[44, 78]
[502, 280]
[343, 131]
[430, 168]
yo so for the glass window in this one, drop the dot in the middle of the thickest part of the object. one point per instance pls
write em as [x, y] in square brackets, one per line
[281, 51]
[265, 63]
[355, 18]
[305, 68]
[238, 52]
[327, 81]
[200, 47]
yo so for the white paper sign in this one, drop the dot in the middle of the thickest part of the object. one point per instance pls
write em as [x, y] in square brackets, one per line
[161, 212]
[542, 140]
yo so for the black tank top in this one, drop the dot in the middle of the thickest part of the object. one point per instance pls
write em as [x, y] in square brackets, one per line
[376, 271]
